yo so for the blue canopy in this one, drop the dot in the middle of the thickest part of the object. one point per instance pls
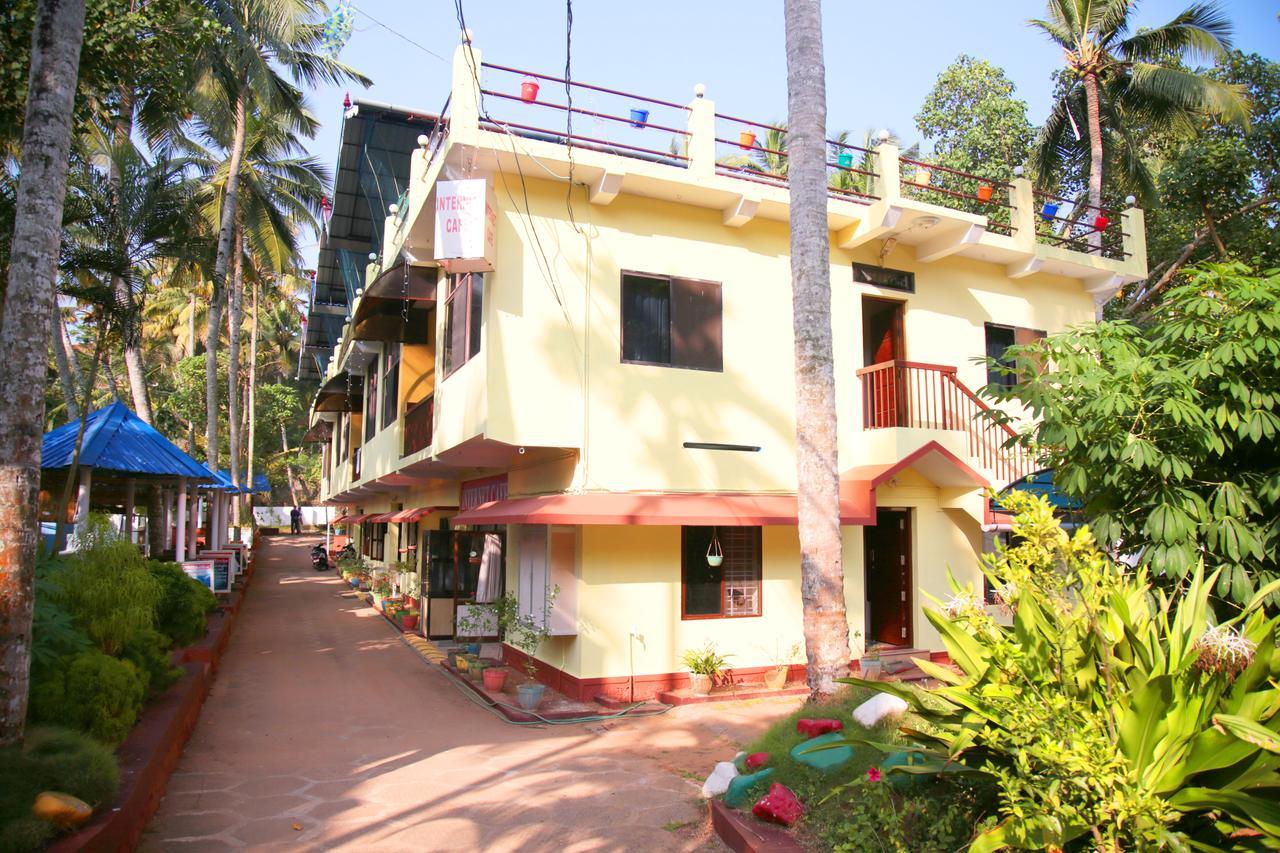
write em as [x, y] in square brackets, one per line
[260, 483]
[115, 439]
[1040, 483]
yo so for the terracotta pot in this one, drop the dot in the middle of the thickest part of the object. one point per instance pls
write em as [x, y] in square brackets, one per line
[494, 679]
[410, 621]
[700, 684]
[775, 678]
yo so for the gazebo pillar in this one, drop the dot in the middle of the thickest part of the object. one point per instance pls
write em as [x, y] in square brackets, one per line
[180, 528]
[129, 487]
[215, 520]
[193, 525]
[82, 500]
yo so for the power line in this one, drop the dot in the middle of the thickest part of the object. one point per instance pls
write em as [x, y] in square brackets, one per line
[401, 35]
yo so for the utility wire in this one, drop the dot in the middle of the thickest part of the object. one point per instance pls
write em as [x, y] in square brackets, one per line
[402, 36]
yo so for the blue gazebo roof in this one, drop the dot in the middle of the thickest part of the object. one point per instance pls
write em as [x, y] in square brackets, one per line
[115, 439]
[223, 481]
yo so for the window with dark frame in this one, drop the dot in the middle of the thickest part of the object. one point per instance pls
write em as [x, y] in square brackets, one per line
[463, 315]
[391, 385]
[885, 278]
[409, 542]
[730, 590]
[672, 322]
[377, 540]
[371, 402]
[998, 340]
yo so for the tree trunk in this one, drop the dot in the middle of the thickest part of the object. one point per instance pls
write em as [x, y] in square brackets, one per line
[65, 377]
[1095, 155]
[73, 360]
[225, 230]
[24, 333]
[111, 376]
[826, 628]
[73, 471]
[130, 329]
[191, 351]
[288, 469]
[252, 408]
[235, 317]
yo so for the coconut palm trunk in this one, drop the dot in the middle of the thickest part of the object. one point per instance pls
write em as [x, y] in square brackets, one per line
[1094, 111]
[826, 629]
[222, 261]
[134, 369]
[253, 390]
[63, 360]
[235, 317]
[24, 334]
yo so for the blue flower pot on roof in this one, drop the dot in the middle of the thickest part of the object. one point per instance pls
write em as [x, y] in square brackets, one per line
[639, 118]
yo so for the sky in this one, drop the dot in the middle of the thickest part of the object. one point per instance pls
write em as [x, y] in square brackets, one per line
[881, 58]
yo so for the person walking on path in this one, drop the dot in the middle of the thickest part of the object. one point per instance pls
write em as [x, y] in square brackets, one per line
[295, 519]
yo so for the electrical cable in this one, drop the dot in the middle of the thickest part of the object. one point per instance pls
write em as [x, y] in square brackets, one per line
[568, 113]
[400, 35]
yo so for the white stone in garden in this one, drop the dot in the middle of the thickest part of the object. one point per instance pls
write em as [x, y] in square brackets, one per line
[877, 708]
[718, 782]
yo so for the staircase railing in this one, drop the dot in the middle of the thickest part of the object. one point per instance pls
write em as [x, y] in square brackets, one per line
[915, 395]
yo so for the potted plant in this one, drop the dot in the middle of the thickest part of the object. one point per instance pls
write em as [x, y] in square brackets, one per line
[495, 678]
[705, 666]
[381, 588]
[776, 678]
[524, 632]
[409, 620]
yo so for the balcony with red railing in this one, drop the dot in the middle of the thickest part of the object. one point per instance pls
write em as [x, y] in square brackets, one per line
[931, 183]
[419, 421]
[567, 112]
[1078, 226]
[914, 395]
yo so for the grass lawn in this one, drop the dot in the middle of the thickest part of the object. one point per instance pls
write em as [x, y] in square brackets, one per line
[812, 785]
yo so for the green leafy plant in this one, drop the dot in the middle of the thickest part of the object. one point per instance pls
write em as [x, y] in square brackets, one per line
[109, 593]
[706, 660]
[937, 815]
[182, 612]
[1165, 431]
[50, 759]
[1108, 715]
[92, 692]
[148, 651]
[525, 631]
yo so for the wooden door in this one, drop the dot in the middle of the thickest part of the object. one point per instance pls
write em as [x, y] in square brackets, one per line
[882, 340]
[887, 558]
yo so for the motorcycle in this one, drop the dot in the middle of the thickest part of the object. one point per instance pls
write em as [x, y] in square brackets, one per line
[320, 558]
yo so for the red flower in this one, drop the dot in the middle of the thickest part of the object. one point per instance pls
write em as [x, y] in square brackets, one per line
[873, 774]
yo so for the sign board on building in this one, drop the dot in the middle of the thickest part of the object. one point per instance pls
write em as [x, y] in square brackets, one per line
[466, 219]
[476, 492]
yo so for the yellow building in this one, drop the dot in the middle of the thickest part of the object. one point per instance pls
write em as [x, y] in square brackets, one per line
[583, 353]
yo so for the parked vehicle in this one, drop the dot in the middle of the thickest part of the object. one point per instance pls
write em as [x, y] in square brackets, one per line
[320, 558]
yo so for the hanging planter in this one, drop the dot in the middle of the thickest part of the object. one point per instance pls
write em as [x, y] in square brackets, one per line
[528, 91]
[746, 139]
[923, 176]
[845, 159]
[1101, 221]
[715, 554]
[984, 192]
[639, 118]
[1049, 211]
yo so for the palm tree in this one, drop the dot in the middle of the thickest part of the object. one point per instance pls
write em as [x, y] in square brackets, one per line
[1121, 81]
[281, 190]
[24, 333]
[265, 35]
[826, 629]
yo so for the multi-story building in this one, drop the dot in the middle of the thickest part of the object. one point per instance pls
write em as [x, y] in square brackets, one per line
[576, 343]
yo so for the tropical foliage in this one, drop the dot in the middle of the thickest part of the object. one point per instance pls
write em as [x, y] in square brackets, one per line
[1165, 432]
[1109, 715]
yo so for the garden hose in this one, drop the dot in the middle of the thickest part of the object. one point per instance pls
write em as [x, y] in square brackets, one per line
[493, 706]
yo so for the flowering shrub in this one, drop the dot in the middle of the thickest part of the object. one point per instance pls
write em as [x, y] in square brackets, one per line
[1107, 715]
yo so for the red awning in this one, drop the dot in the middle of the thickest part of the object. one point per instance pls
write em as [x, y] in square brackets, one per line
[380, 518]
[408, 516]
[667, 509]
[343, 519]
[857, 500]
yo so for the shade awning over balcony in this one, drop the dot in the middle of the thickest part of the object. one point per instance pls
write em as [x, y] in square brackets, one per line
[408, 516]
[404, 281]
[342, 393]
[397, 306]
[318, 433]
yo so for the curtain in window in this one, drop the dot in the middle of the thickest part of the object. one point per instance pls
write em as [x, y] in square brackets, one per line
[489, 585]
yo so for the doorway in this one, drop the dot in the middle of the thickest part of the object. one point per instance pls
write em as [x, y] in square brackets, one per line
[451, 576]
[882, 340]
[887, 563]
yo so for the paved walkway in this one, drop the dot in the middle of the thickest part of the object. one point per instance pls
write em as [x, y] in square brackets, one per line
[324, 731]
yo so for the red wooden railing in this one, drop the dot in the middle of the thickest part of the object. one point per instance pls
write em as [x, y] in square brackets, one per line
[418, 423]
[910, 394]
[1080, 227]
